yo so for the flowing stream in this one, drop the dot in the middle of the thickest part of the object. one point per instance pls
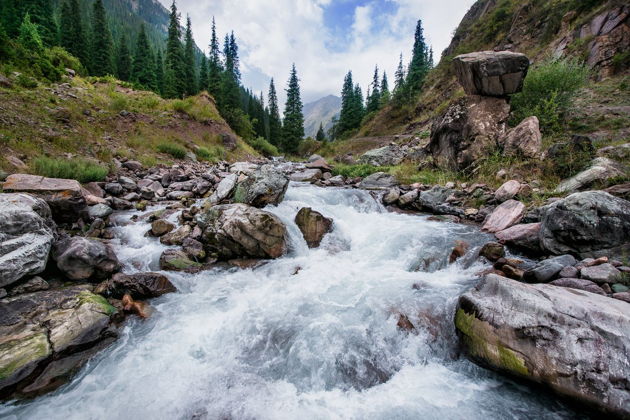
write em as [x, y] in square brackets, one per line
[312, 335]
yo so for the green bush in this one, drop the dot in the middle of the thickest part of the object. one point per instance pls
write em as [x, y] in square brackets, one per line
[264, 147]
[79, 169]
[175, 150]
[308, 146]
[548, 92]
[213, 154]
[362, 170]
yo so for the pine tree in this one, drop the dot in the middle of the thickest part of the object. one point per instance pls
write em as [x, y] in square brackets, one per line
[293, 127]
[346, 115]
[189, 61]
[399, 83]
[159, 73]
[174, 85]
[358, 109]
[385, 94]
[123, 59]
[72, 34]
[203, 73]
[275, 124]
[374, 98]
[11, 17]
[41, 14]
[215, 67]
[320, 136]
[431, 63]
[29, 36]
[230, 95]
[66, 36]
[101, 62]
[144, 64]
[419, 64]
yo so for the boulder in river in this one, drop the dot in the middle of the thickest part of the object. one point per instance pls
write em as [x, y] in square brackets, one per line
[27, 232]
[138, 285]
[178, 260]
[507, 191]
[82, 258]
[64, 196]
[491, 73]
[547, 269]
[572, 341]
[507, 214]
[266, 185]
[378, 181]
[313, 225]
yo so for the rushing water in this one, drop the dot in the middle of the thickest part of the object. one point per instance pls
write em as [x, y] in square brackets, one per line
[311, 335]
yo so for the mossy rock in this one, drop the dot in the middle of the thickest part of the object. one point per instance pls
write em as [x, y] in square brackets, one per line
[19, 357]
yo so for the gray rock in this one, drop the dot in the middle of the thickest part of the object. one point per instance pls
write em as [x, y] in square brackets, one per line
[32, 285]
[434, 201]
[177, 260]
[114, 188]
[313, 226]
[307, 175]
[601, 170]
[624, 296]
[573, 341]
[384, 156]
[82, 258]
[193, 248]
[100, 211]
[127, 183]
[491, 73]
[178, 195]
[620, 153]
[378, 181]
[391, 196]
[521, 236]
[177, 236]
[224, 189]
[523, 140]
[492, 251]
[548, 269]
[138, 285]
[507, 191]
[262, 187]
[603, 273]
[581, 284]
[408, 198]
[161, 227]
[569, 272]
[504, 216]
[27, 232]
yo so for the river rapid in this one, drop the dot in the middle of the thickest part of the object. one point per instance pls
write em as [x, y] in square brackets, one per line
[312, 335]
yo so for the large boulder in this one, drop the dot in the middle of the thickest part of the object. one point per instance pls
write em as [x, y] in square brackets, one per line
[307, 175]
[313, 226]
[138, 285]
[468, 131]
[82, 258]
[507, 191]
[241, 231]
[27, 232]
[224, 189]
[491, 73]
[523, 140]
[64, 196]
[572, 341]
[434, 201]
[587, 224]
[384, 156]
[504, 216]
[266, 185]
[522, 236]
[601, 170]
[378, 181]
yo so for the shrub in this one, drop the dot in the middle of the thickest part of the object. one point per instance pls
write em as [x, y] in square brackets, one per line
[213, 154]
[175, 150]
[548, 92]
[79, 169]
[182, 105]
[263, 146]
[308, 146]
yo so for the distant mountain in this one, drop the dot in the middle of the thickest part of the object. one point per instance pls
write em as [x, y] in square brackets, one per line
[320, 111]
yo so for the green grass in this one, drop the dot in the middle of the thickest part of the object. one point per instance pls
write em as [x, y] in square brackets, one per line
[264, 147]
[79, 169]
[175, 150]
[213, 154]
[353, 171]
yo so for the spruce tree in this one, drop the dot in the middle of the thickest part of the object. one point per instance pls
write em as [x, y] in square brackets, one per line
[123, 59]
[189, 61]
[374, 99]
[275, 124]
[101, 62]
[399, 83]
[29, 36]
[215, 67]
[174, 84]
[293, 127]
[385, 94]
[66, 35]
[144, 64]
[358, 109]
[11, 17]
[230, 96]
[41, 14]
[320, 136]
[419, 64]
[72, 34]
[159, 73]
[203, 73]
[347, 102]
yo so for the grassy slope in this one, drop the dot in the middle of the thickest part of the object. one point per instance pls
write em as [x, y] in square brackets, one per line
[101, 118]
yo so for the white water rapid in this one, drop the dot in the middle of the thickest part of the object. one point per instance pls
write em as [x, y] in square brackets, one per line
[311, 335]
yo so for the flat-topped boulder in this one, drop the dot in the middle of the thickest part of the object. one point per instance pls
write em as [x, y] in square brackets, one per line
[64, 196]
[491, 73]
[265, 185]
[383, 156]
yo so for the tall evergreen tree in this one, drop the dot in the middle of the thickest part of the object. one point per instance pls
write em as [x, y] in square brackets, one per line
[431, 63]
[230, 96]
[374, 98]
[351, 106]
[11, 17]
[144, 64]
[101, 62]
[385, 94]
[159, 72]
[189, 61]
[358, 106]
[399, 82]
[174, 84]
[275, 124]
[203, 73]
[215, 67]
[419, 64]
[72, 35]
[123, 59]
[41, 14]
[29, 35]
[293, 127]
[320, 136]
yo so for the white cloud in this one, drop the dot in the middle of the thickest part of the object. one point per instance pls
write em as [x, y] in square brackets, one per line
[273, 34]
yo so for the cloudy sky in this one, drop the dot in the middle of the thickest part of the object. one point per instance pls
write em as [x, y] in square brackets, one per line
[325, 38]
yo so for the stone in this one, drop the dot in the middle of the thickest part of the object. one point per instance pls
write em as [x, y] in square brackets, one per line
[580, 284]
[434, 201]
[34, 284]
[619, 153]
[492, 251]
[138, 285]
[241, 231]
[572, 341]
[378, 181]
[467, 131]
[523, 140]
[601, 170]
[224, 189]
[161, 227]
[408, 198]
[619, 288]
[114, 188]
[512, 272]
[194, 249]
[179, 195]
[620, 190]
[262, 187]
[569, 272]
[588, 224]
[82, 258]
[320, 164]
[131, 197]
[127, 183]
[337, 180]
[229, 141]
[384, 156]
[603, 273]
[246, 168]
[120, 204]
[521, 236]
[307, 175]
[132, 165]
[177, 260]
[27, 232]
[548, 269]
[313, 226]
[176, 237]
[63, 196]
[491, 73]
[391, 196]
[100, 211]
[507, 191]
[460, 249]
[507, 214]
[624, 296]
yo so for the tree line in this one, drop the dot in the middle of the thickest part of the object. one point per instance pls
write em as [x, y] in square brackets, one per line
[407, 86]
[175, 72]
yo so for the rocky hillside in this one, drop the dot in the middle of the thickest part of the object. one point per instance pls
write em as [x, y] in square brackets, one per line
[99, 119]
[321, 111]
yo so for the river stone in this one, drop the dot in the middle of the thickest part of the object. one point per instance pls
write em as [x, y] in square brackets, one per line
[224, 189]
[522, 236]
[264, 186]
[241, 231]
[523, 140]
[307, 175]
[64, 196]
[581, 284]
[34, 284]
[572, 341]
[507, 214]
[603, 273]
[313, 226]
[492, 251]
[178, 195]
[246, 168]
[391, 196]
[27, 232]
[588, 224]
[193, 248]
[100, 211]
[384, 156]
[408, 198]
[507, 191]
[378, 181]
[138, 285]
[320, 164]
[177, 260]
[434, 201]
[177, 236]
[114, 188]
[161, 227]
[82, 258]
[548, 269]
[601, 170]
[569, 272]
[491, 73]
[127, 183]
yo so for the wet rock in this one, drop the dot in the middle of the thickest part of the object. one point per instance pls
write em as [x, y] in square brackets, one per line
[337, 180]
[408, 198]
[307, 175]
[522, 236]
[619, 288]
[178, 195]
[35, 284]
[246, 168]
[27, 232]
[264, 186]
[434, 201]
[81, 258]
[385, 156]
[131, 197]
[313, 226]
[194, 249]
[507, 191]
[548, 269]
[241, 231]
[176, 237]
[523, 140]
[550, 335]
[320, 164]
[581, 284]
[601, 170]
[138, 285]
[604, 273]
[504, 216]
[460, 249]
[224, 189]
[491, 73]
[512, 272]
[378, 181]
[591, 223]
[100, 211]
[119, 204]
[177, 260]
[391, 196]
[492, 251]
[161, 227]
[624, 296]
[63, 196]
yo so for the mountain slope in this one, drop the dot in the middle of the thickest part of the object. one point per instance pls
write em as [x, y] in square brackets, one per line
[320, 111]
